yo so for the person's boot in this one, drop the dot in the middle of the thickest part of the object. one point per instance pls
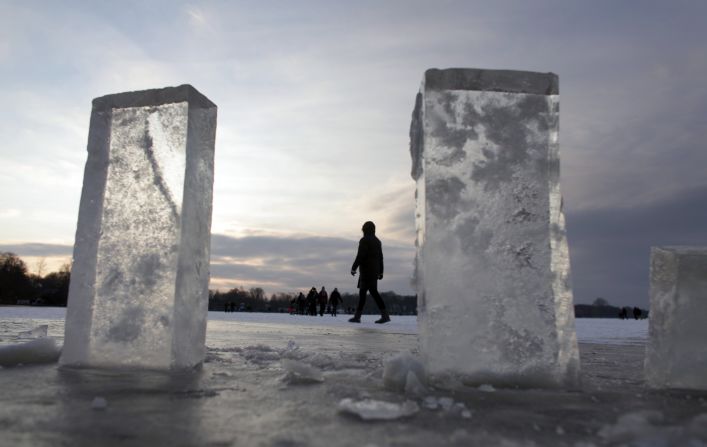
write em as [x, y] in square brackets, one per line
[384, 318]
[355, 319]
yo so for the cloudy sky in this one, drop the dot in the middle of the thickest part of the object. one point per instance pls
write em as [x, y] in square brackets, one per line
[314, 109]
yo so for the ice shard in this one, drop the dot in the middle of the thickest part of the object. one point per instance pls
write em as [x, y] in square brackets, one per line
[492, 266]
[139, 282]
[676, 354]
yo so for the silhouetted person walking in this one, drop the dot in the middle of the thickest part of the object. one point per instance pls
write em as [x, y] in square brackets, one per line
[323, 299]
[334, 301]
[369, 262]
[636, 313]
[301, 303]
[312, 302]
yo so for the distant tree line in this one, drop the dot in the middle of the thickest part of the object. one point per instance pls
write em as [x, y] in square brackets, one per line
[601, 308]
[18, 286]
[255, 300]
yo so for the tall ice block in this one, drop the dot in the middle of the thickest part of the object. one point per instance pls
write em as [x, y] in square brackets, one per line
[139, 281]
[676, 355]
[492, 268]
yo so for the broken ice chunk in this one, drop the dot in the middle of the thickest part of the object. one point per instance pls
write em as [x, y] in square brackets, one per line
[41, 350]
[372, 410]
[404, 372]
[486, 388]
[413, 386]
[299, 372]
[38, 332]
[99, 403]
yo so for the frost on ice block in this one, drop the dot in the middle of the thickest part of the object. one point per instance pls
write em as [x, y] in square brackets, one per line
[139, 281]
[492, 268]
[676, 355]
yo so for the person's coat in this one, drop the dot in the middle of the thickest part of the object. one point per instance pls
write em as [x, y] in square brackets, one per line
[369, 259]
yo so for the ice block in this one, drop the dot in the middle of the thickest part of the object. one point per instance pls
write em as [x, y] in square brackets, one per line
[492, 266]
[139, 282]
[676, 354]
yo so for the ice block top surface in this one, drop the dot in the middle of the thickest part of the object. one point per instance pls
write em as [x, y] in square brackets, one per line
[683, 249]
[154, 97]
[511, 81]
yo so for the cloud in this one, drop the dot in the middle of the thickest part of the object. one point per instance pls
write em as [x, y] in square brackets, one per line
[9, 213]
[37, 249]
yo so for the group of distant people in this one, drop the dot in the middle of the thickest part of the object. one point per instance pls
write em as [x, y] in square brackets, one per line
[308, 305]
[637, 313]
[231, 307]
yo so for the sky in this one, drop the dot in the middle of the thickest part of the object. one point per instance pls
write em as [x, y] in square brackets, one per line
[314, 104]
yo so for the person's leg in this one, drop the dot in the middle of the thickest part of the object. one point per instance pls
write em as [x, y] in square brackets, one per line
[379, 302]
[361, 302]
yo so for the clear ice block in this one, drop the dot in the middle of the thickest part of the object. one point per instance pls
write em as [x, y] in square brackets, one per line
[492, 266]
[676, 354]
[139, 282]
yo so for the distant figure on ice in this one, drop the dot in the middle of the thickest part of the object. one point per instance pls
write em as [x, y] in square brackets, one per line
[323, 299]
[369, 262]
[334, 301]
[312, 302]
[623, 314]
[636, 313]
[301, 303]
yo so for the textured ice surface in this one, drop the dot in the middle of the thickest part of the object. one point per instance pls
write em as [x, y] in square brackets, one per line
[232, 401]
[676, 354]
[138, 295]
[300, 372]
[38, 332]
[492, 268]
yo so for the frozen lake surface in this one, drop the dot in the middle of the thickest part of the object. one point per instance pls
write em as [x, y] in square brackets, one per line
[285, 380]
[589, 330]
